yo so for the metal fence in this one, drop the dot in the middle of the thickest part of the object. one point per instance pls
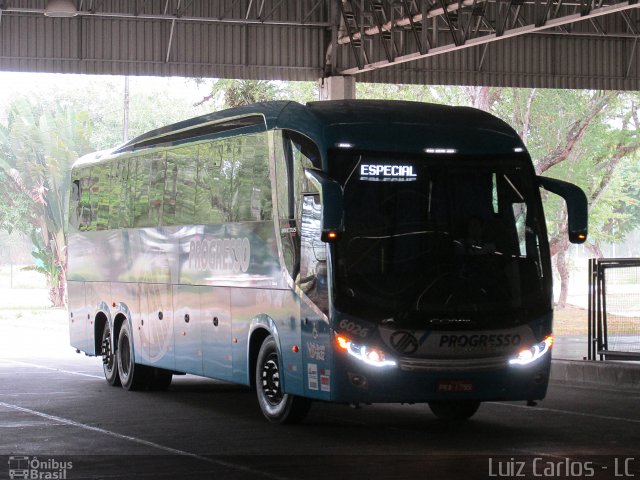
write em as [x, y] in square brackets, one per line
[614, 309]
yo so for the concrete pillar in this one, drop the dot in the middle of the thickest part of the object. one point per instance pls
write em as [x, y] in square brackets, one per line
[337, 88]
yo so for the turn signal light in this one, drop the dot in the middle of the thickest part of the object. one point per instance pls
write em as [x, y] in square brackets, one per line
[330, 236]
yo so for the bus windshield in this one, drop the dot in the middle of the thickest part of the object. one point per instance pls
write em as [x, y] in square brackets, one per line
[439, 240]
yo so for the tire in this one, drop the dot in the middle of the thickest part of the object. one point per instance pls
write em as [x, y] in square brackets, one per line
[276, 406]
[133, 376]
[454, 409]
[159, 379]
[109, 358]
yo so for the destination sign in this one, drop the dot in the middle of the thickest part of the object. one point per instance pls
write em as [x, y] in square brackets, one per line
[387, 171]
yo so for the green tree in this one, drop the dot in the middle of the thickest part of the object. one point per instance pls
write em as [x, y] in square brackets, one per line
[38, 147]
[234, 93]
[586, 137]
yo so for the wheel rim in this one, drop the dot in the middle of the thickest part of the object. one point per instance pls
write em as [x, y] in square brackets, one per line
[270, 376]
[125, 355]
[107, 356]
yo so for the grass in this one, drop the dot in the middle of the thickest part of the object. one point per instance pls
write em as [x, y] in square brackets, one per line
[570, 321]
[15, 277]
[28, 302]
[24, 298]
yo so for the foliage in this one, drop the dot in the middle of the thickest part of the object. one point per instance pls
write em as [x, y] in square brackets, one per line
[45, 131]
[234, 93]
[45, 262]
[38, 148]
[153, 104]
[14, 206]
[586, 137]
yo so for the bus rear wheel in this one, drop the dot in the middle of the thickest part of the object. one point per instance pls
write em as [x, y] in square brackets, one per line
[454, 409]
[133, 376]
[109, 362]
[276, 406]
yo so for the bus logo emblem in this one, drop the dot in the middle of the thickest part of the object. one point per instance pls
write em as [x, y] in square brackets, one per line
[404, 342]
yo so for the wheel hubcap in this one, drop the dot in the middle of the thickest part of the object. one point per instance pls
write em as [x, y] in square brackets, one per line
[107, 356]
[271, 380]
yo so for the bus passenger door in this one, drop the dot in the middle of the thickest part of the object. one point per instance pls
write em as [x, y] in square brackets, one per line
[187, 329]
[216, 332]
[312, 281]
[312, 278]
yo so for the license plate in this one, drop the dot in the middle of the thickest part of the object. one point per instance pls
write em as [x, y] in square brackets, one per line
[455, 386]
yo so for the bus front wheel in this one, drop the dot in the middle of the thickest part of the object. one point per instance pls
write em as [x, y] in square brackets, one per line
[277, 406]
[109, 363]
[454, 409]
[133, 376]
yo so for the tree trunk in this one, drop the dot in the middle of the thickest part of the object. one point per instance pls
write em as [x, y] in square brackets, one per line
[575, 133]
[58, 290]
[563, 271]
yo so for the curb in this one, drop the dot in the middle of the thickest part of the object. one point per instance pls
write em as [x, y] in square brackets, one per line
[591, 373]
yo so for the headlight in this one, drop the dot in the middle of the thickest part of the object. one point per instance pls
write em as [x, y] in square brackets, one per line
[368, 355]
[530, 355]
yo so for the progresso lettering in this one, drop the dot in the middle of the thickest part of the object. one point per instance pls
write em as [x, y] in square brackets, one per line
[492, 340]
[221, 254]
[387, 171]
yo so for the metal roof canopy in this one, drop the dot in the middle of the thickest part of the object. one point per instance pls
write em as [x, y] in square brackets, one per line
[524, 43]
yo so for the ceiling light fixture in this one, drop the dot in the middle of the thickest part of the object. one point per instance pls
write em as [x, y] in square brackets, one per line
[61, 9]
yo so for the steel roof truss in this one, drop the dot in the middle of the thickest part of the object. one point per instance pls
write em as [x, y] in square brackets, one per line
[448, 18]
[386, 35]
[508, 17]
[351, 26]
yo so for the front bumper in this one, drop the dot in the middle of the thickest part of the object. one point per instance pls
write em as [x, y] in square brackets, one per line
[415, 380]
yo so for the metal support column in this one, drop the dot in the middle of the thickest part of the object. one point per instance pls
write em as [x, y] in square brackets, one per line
[338, 88]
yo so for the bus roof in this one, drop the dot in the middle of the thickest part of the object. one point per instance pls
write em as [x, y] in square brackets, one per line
[387, 125]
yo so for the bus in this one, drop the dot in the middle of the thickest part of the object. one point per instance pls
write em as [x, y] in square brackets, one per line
[351, 251]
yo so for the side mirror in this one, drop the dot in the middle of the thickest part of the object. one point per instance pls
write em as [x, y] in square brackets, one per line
[332, 204]
[576, 202]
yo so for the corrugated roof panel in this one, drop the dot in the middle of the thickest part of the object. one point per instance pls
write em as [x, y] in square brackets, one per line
[100, 44]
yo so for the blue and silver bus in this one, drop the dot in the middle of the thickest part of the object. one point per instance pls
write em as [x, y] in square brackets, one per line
[350, 251]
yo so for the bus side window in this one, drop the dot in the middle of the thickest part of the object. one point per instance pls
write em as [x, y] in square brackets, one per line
[139, 179]
[246, 183]
[170, 188]
[74, 205]
[187, 165]
[313, 254]
[100, 196]
[289, 229]
[294, 153]
[208, 208]
[156, 188]
[258, 155]
[85, 200]
[119, 197]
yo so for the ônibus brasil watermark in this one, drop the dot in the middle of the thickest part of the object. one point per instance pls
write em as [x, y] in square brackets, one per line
[33, 468]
